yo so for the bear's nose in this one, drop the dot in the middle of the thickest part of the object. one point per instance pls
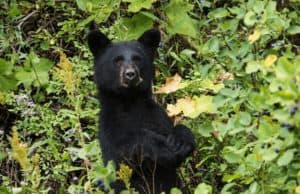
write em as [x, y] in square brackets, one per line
[130, 74]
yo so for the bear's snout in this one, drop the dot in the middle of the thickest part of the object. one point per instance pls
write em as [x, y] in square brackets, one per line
[130, 76]
[130, 73]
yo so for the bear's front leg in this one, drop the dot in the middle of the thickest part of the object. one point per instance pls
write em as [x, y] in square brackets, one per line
[182, 142]
[147, 146]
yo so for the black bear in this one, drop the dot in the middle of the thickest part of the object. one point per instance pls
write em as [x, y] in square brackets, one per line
[134, 129]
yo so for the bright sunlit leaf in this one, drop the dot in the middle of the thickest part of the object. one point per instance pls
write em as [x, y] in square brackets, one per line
[270, 60]
[172, 85]
[254, 37]
[192, 106]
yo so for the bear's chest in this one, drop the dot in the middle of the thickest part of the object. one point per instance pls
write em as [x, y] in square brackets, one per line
[136, 118]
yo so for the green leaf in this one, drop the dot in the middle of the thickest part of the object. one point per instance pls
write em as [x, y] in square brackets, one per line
[238, 11]
[267, 130]
[137, 5]
[268, 154]
[205, 129]
[286, 158]
[24, 77]
[175, 191]
[293, 30]
[132, 28]
[253, 66]
[179, 22]
[7, 83]
[245, 118]
[211, 46]
[3, 155]
[232, 155]
[5, 67]
[43, 65]
[218, 13]
[250, 18]
[203, 188]
[35, 71]
[101, 9]
[284, 70]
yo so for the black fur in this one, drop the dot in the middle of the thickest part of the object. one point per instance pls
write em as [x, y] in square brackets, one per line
[134, 129]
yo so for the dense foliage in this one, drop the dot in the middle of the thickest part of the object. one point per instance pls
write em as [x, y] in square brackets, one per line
[237, 86]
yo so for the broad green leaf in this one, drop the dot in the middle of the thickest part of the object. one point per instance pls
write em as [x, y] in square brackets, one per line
[211, 46]
[203, 188]
[268, 154]
[137, 5]
[258, 6]
[292, 30]
[179, 22]
[101, 9]
[245, 118]
[25, 77]
[231, 93]
[35, 71]
[43, 65]
[284, 69]
[5, 67]
[218, 13]
[205, 129]
[132, 28]
[175, 191]
[250, 18]
[267, 129]
[7, 83]
[254, 188]
[238, 11]
[232, 155]
[286, 158]
[227, 187]
[3, 155]
[253, 66]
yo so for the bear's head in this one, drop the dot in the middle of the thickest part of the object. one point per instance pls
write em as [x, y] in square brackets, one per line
[124, 67]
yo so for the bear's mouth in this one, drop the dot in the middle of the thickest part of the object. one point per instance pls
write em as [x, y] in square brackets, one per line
[127, 84]
[130, 76]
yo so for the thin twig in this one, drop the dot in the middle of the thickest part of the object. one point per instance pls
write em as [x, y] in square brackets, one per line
[24, 19]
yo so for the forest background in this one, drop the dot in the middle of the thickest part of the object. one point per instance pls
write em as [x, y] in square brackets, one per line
[230, 70]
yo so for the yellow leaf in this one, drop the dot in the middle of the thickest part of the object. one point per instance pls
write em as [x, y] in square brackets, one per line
[209, 84]
[254, 37]
[270, 60]
[173, 110]
[297, 190]
[228, 76]
[205, 104]
[65, 72]
[20, 151]
[187, 106]
[192, 107]
[224, 76]
[172, 84]
[124, 173]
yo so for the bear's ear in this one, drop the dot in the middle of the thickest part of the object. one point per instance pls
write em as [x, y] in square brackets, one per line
[150, 39]
[96, 39]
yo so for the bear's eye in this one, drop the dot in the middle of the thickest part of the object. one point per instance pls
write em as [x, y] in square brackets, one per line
[136, 58]
[118, 59]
